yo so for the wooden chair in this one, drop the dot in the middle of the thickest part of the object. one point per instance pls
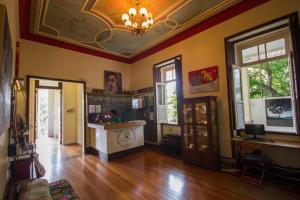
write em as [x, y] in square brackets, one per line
[251, 156]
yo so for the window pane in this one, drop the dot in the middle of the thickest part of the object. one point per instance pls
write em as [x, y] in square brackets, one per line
[276, 48]
[270, 95]
[169, 75]
[174, 74]
[262, 52]
[250, 54]
[270, 79]
[237, 85]
[160, 90]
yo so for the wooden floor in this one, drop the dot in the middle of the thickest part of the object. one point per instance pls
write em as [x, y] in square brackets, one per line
[51, 151]
[148, 175]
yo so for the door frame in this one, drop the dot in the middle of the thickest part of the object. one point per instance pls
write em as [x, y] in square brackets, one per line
[28, 77]
[36, 87]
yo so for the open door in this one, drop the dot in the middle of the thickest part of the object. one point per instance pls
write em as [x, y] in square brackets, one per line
[239, 103]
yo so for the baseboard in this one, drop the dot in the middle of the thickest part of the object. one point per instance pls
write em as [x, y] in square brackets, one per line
[109, 157]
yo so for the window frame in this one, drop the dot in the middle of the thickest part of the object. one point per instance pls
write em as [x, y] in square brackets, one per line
[266, 38]
[164, 71]
[157, 77]
[290, 21]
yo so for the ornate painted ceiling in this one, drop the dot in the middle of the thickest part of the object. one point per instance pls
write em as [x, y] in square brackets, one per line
[97, 24]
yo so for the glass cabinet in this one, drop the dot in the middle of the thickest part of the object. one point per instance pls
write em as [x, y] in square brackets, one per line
[199, 131]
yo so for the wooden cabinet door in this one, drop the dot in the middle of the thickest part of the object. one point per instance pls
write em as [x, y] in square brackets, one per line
[189, 145]
[202, 132]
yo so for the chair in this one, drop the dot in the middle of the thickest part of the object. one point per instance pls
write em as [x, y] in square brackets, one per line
[251, 156]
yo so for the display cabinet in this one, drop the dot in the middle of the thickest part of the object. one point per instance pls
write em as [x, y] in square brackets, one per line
[199, 131]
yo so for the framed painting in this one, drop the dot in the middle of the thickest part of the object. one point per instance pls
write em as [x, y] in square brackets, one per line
[6, 60]
[113, 82]
[204, 80]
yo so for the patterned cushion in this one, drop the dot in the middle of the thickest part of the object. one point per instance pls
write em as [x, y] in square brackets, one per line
[35, 190]
[62, 190]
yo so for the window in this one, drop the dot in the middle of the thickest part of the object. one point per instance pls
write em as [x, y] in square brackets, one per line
[262, 83]
[167, 96]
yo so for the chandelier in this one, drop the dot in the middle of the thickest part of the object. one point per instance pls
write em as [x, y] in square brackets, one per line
[138, 20]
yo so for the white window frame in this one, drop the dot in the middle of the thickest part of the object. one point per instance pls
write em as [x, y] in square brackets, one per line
[264, 39]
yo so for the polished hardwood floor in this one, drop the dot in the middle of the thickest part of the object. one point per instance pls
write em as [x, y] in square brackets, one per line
[149, 175]
[51, 151]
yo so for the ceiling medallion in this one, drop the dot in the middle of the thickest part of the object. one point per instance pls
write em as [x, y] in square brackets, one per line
[138, 20]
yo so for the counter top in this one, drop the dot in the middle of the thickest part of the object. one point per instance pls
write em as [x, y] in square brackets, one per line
[122, 125]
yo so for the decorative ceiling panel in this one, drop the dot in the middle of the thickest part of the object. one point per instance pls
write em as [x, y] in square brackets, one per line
[97, 24]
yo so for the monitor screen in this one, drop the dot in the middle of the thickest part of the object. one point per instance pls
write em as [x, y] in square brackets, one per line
[255, 129]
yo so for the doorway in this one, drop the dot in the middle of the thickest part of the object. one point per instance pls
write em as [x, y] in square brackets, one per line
[56, 118]
[48, 117]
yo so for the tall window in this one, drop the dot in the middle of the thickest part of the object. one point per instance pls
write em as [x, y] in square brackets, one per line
[166, 96]
[263, 87]
[169, 78]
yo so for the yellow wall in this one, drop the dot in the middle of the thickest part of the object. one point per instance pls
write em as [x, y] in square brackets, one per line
[200, 51]
[49, 61]
[207, 49]
[71, 121]
[12, 10]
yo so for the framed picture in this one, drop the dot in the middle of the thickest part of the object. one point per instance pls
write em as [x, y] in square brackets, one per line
[113, 82]
[204, 80]
[6, 60]
[279, 112]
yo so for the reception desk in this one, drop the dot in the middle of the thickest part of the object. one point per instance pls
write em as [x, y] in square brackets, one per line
[110, 141]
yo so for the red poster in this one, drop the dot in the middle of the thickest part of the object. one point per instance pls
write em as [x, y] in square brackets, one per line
[204, 80]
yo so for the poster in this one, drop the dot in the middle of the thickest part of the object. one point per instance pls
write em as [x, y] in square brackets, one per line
[204, 80]
[113, 82]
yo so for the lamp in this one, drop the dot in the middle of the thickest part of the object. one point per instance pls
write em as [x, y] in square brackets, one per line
[138, 20]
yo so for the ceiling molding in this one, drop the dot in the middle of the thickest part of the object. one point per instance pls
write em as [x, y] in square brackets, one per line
[24, 15]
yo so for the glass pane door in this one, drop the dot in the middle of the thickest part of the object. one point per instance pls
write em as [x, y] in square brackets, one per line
[202, 141]
[188, 127]
[187, 113]
[201, 113]
[188, 137]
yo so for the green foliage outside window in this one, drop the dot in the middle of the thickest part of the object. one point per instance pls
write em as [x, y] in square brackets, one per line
[270, 79]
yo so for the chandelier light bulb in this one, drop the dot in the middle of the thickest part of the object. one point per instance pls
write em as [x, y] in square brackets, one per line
[138, 19]
[132, 11]
[125, 17]
[143, 11]
[128, 23]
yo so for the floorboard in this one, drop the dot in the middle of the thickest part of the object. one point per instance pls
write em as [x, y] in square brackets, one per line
[149, 175]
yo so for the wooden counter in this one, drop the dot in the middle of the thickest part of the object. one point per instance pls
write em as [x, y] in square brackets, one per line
[122, 125]
[116, 139]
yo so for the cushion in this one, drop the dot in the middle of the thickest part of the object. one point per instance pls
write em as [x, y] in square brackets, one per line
[62, 190]
[35, 190]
